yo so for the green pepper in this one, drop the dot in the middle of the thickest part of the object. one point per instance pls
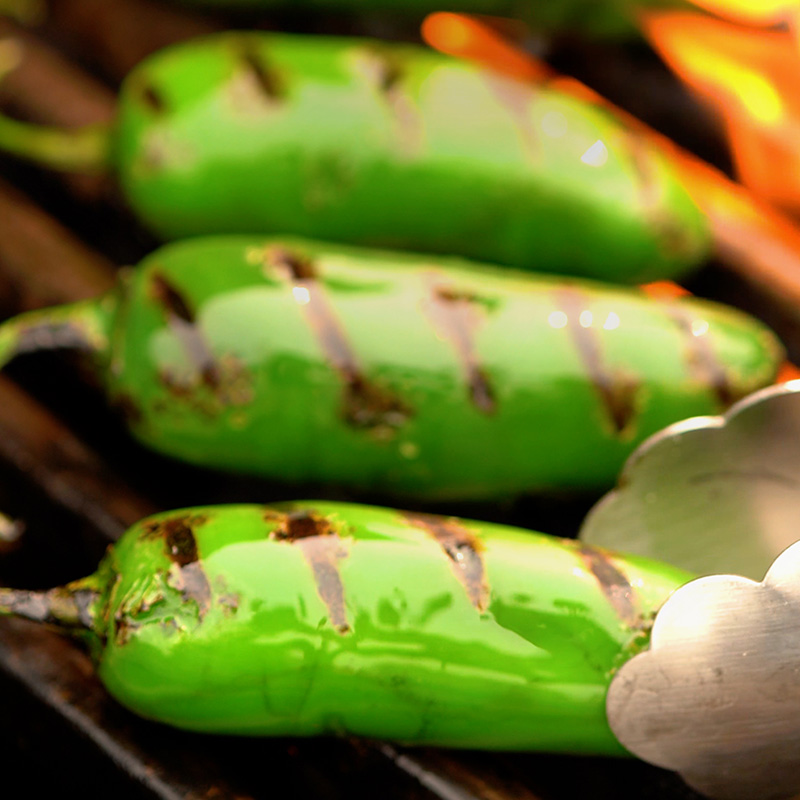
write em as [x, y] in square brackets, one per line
[405, 375]
[329, 618]
[367, 143]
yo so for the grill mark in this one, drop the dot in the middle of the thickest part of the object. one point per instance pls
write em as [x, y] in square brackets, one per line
[365, 404]
[455, 317]
[183, 322]
[613, 583]
[463, 549]
[701, 360]
[516, 98]
[265, 78]
[387, 74]
[180, 545]
[152, 99]
[171, 299]
[616, 392]
[322, 549]
[671, 237]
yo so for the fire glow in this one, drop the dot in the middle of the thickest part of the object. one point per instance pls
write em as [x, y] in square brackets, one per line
[750, 77]
[757, 12]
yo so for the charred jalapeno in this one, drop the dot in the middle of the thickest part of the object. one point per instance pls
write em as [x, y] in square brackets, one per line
[326, 618]
[384, 145]
[404, 375]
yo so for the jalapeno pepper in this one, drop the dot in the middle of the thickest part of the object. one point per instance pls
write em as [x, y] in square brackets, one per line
[384, 145]
[328, 618]
[398, 374]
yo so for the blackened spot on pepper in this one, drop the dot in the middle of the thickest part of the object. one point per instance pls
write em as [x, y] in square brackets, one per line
[296, 265]
[616, 391]
[266, 78]
[183, 322]
[390, 73]
[301, 525]
[322, 549]
[366, 405]
[464, 550]
[152, 99]
[180, 545]
[455, 315]
[613, 583]
[170, 297]
[123, 627]
[369, 406]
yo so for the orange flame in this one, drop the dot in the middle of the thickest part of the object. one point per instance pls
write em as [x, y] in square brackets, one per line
[756, 12]
[664, 290]
[474, 38]
[751, 78]
[788, 372]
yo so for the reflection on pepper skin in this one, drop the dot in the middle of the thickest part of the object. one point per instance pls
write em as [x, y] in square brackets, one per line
[419, 659]
[398, 374]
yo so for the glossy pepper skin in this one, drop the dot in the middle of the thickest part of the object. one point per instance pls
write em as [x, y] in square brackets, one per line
[400, 375]
[368, 143]
[329, 618]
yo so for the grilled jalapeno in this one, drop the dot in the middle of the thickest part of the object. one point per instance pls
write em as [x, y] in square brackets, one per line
[328, 618]
[398, 374]
[384, 145]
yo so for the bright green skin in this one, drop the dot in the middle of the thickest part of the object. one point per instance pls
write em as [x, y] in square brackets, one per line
[420, 663]
[278, 404]
[368, 143]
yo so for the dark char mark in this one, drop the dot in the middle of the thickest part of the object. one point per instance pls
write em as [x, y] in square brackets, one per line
[389, 71]
[365, 404]
[180, 546]
[613, 583]
[617, 392]
[463, 549]
[170, 297]
[152, 99]
[703, 363]
[322, 549]
[266, 78]
[456, 315]
[183, 321]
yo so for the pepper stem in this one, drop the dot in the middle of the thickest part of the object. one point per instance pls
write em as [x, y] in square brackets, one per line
[78, 326]
[71, 608]
[85, 149]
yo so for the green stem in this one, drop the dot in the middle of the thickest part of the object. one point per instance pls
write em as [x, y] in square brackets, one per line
[75, 150]
[77, 326]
